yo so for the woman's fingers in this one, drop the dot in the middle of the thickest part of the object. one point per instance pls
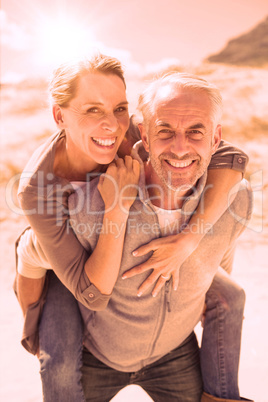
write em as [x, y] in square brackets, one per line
[158, 280]
[119, 185]
[175, 279]
[138, 269]
[159, 284]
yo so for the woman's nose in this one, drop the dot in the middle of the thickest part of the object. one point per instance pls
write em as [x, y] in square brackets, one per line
[110, 122]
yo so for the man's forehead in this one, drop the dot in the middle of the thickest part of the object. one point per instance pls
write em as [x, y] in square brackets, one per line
[175, 96]
[174, 106]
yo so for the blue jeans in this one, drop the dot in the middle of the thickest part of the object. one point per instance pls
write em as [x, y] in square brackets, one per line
[61, 350]
[60, 345]
[221, 340]
[174, 378]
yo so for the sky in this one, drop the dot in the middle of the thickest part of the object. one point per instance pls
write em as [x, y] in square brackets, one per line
[146, 35]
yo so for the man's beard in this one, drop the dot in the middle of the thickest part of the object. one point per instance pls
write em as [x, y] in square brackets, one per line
[179, 182]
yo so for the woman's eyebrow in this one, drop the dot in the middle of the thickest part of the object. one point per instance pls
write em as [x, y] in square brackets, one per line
[101, 104]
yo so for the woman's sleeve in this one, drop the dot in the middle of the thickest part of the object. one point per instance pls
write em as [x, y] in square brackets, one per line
[53, 238]
[228, 156]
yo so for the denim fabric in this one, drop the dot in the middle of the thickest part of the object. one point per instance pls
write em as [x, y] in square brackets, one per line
[174, 378]
[221, 341]
[60, 340]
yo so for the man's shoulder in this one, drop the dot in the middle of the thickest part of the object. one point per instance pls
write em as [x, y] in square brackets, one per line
[86, 200]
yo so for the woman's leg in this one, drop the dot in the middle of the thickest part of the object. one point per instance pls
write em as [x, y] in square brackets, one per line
[60, 340]
[221, 341]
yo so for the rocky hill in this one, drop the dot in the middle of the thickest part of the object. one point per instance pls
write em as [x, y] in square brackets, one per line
[249, 49]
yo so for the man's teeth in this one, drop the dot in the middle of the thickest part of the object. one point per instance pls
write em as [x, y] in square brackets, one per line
[181, 164]
[104, 142]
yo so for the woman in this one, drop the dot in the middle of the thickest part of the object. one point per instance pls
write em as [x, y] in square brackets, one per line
[90, 109]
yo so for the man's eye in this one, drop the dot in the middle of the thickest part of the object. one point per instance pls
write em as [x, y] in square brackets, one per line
[165, 133]
[195, 135]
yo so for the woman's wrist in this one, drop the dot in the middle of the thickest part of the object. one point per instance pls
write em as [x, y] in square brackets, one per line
[116, 214]
[191, 237]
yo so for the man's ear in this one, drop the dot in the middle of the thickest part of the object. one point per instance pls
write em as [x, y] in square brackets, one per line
[58, 116]
[144, 136]
[216, 138]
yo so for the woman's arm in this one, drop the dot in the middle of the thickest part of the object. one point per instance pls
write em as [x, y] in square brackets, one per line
[99, 272]
[103, 265]
[225, 172]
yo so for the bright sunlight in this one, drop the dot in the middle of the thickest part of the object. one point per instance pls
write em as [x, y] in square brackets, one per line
[63, 38]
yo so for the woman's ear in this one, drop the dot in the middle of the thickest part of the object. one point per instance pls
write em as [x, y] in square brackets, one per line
[144, 136]
[58, 116]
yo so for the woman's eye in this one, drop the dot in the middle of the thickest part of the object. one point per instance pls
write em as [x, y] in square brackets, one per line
[121, 109]
[93, 110]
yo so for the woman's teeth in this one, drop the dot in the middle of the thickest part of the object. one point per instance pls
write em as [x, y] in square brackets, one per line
[104, 142]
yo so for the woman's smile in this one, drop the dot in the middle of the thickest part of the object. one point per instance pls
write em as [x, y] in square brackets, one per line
[104, 142]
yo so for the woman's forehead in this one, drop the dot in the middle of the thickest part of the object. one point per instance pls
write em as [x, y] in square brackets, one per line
[97, 87]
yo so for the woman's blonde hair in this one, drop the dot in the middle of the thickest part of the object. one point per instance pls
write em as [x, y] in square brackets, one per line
[63, 84]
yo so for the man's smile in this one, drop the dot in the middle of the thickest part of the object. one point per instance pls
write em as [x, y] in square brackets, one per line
[179, 164]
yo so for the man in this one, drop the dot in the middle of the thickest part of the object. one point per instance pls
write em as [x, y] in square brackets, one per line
[147, 340]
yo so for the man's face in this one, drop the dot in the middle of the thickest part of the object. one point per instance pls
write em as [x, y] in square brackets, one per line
[181, 137]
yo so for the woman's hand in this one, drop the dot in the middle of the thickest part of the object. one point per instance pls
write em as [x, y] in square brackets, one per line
[119, 185]
[169, 253]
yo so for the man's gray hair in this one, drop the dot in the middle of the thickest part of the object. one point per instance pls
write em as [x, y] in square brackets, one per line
[183, 81]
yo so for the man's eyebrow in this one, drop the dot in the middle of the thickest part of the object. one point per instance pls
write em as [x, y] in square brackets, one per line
[196, 126]
[161, 123]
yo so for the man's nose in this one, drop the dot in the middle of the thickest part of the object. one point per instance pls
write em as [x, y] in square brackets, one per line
[180, 145]
[110, 122]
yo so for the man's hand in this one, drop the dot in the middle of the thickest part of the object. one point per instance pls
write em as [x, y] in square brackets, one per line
[169, 253]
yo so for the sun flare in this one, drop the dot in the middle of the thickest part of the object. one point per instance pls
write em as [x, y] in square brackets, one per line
[63, 38]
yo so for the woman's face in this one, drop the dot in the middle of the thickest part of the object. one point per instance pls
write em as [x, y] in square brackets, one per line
[96, 119]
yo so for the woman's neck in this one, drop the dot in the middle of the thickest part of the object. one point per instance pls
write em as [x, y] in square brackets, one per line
[71, 166]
